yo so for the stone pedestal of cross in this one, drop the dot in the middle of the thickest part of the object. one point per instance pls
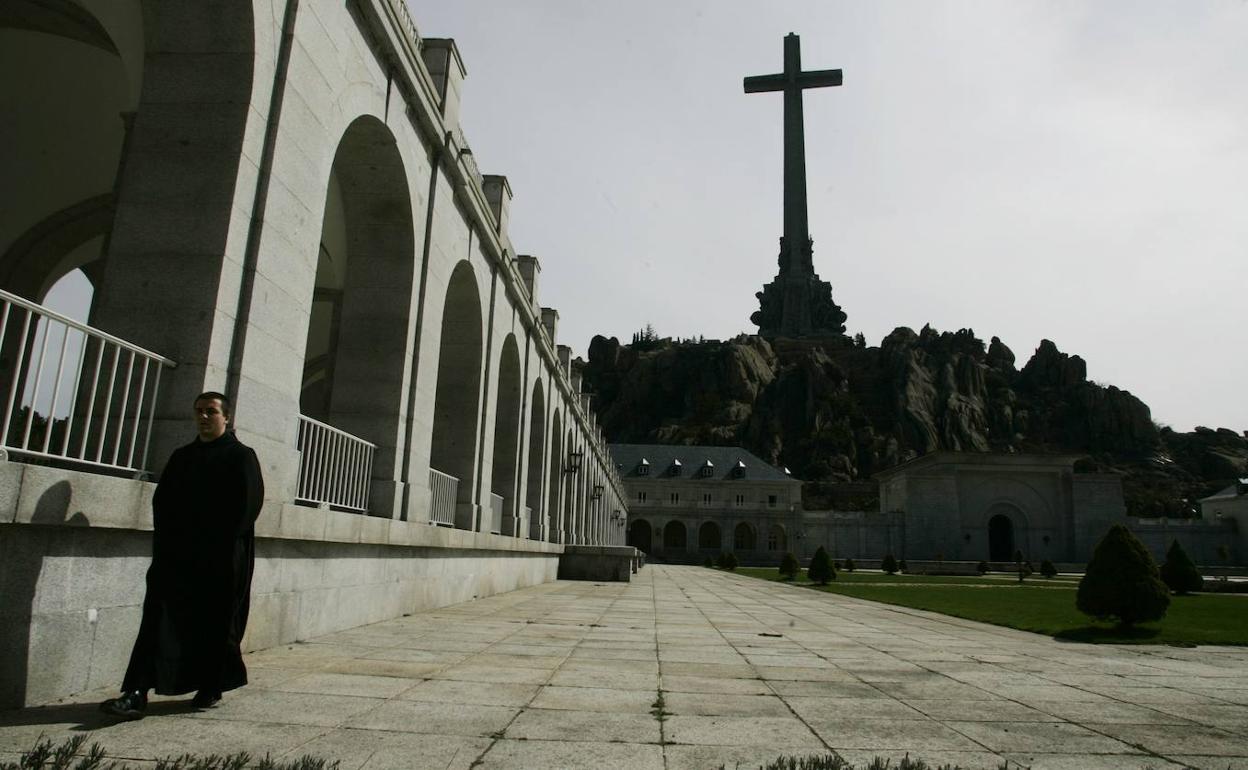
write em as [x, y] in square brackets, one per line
[796, 303]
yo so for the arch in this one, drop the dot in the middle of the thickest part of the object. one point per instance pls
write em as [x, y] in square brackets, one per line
[63, 153]
[709, 538]
[458, 397]
[743, 537]
[507, 434]
[674, 536]
[537, 443]
[639, 535]
[777, 540]
[555, 475]
[1000, 538]
[356, 343]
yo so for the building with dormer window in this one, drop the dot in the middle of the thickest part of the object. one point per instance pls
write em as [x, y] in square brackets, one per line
[733, 501]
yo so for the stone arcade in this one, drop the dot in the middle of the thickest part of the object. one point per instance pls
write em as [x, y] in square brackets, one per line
[274, 199]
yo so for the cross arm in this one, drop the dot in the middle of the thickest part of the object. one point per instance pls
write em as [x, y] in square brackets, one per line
[758, 83]
[819, 78]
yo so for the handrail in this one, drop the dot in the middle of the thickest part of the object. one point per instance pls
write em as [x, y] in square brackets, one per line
[108, 436]
[335, 467]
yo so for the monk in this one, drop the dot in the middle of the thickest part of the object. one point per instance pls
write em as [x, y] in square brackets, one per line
[199, 582]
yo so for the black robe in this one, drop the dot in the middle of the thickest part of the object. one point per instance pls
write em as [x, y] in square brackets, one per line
[199, 583]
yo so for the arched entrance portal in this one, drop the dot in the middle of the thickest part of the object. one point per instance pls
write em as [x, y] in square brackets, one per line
[743, 537]
[64, 132]
[709, 537]
[639, 535]
[457, 403]
[674, 536]
[506, 438]
[537, 443]
[1000, 538]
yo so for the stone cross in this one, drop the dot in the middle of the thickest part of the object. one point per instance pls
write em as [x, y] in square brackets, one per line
[796, 303]
[792, 81]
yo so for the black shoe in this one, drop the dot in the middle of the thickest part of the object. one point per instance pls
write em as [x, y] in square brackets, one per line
[130, 705]
[205, 699]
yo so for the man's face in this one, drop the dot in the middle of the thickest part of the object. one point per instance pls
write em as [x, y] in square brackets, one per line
[210, 419]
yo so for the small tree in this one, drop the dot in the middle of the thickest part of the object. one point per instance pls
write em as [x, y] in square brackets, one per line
[820, 570]
[789, 566]
[1179, 572]
[849, 565]
[1121, 581]
[1047, 569]
[901, 566]
[889, 564]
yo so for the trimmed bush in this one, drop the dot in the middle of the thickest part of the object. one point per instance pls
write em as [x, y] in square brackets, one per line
[1047, 569]
[1122, 582]
[790, 568]
[849, 565]
[888, 564]
[1179, 572]
[729, 561]
[901, 566]
[820, 570]
[982, 567]
[708, 562]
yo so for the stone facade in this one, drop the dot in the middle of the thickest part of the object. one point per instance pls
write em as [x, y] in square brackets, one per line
[972, 506]
[691, 502]
[287, 208]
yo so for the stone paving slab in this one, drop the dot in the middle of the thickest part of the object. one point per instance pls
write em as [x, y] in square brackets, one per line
[569, 675]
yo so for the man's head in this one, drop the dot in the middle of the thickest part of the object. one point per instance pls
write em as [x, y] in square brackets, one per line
[212, 415]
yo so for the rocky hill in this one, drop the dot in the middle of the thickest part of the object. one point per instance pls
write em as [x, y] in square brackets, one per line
[833, 410]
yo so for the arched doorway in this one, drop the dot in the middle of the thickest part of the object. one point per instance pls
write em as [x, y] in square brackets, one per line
[507, 435]
[776, 539]
[674, 536]
[357, 342]
[743, 537]
[537, 443]
[709, 537]
[1000, 538]
[457, 403]
[70, 86]
[639, 535]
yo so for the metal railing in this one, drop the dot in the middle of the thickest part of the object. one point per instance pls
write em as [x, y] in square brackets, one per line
[497, 503]
[335, 468]
[443, 491]
[75, 393]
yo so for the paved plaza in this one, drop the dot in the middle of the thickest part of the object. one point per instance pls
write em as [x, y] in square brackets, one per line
[688, 667]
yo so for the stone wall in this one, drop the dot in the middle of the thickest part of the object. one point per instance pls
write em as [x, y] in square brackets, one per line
[74, 549]
[1201, 538]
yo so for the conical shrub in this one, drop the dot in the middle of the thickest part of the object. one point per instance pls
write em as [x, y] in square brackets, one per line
[888, 564]
[1179, 572]
[820, 570]
[789, 566]
[1121, 581]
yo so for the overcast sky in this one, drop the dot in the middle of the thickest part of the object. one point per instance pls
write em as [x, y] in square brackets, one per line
[1075, 171]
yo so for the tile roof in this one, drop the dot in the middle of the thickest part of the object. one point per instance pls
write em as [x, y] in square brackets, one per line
[661, 457]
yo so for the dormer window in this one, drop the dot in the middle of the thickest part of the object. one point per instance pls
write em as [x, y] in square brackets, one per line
[738, 470]
[707, 470]
[643, 467]
[675, 469]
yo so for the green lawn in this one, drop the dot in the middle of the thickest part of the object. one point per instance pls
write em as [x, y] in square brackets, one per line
[1040, 605]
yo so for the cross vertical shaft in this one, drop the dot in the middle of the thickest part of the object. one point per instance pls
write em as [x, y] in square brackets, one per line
[797, 303]
[796, 225]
